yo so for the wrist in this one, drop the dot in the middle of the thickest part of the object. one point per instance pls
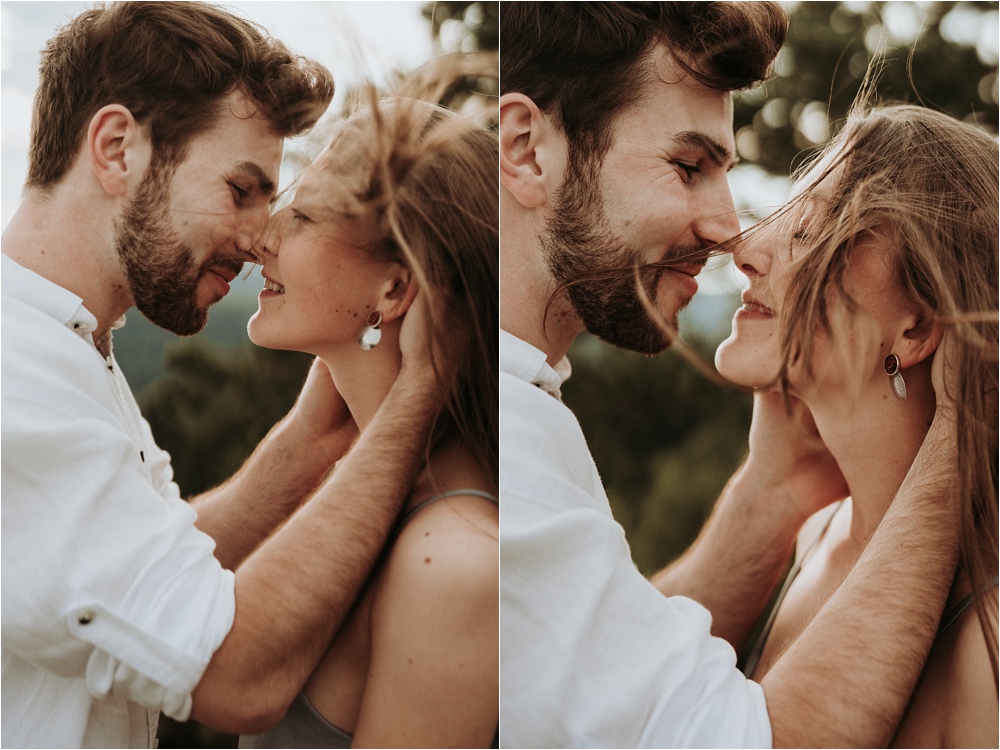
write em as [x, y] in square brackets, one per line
[303, 448]
[771, 494]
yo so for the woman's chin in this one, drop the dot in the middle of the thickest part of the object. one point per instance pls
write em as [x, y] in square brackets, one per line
[743, 365]
[257, 332]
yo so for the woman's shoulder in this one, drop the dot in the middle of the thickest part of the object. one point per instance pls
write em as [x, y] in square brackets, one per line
[449, 548]
[955, 703]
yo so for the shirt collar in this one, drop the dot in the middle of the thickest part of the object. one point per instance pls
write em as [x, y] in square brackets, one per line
[47, 297]
[527, 363]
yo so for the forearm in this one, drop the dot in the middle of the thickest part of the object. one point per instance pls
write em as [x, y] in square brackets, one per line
[846, 680]
[277, 478]
[738, 559]
[293, 593]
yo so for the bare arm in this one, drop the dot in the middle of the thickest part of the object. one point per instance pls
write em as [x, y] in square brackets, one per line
[283, 471]
[293, 592]
[847, 679]
[736, 562]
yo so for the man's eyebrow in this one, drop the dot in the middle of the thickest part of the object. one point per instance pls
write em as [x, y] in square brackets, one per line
[715, 150]
[254, 171]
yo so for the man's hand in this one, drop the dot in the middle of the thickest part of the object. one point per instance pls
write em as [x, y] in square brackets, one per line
[321, 416]
[424, 353]
[788, 456]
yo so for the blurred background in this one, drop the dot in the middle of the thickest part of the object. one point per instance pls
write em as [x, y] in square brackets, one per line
[665, 438]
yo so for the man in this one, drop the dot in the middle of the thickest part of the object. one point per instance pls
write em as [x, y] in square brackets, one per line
[156, 142]
[615, 141]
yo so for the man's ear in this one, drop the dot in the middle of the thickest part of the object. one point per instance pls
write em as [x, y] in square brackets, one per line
[119, 150]
[919, 340]
[528, 157]
[398, 293]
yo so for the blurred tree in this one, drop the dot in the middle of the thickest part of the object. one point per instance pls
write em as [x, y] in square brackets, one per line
[211, 408]
[466, 27]
[664, 439]
[942, 54]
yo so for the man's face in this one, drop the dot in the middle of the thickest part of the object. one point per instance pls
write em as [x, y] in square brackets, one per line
[187, 231]
[661, 195]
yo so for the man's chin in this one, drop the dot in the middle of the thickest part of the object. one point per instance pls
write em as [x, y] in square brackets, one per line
[645, 338]
[178, 322]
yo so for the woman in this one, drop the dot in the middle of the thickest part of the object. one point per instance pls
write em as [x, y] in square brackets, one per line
[889, 244]
[398, 216]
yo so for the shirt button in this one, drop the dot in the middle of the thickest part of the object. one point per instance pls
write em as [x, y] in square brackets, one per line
[85, 618]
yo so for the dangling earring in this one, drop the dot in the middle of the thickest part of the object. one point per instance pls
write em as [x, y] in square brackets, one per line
[891, 366]
[371, 334]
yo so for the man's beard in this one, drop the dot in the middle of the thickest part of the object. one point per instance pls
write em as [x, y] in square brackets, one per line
[598, 270]
[159, 268]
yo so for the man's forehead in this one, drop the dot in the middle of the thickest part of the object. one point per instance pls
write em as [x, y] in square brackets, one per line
[680, 107]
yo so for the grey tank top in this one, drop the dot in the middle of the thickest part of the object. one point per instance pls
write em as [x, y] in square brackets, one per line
[303, 726]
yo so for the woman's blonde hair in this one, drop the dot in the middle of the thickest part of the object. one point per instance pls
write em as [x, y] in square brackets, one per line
[423, 181]
[929, 185]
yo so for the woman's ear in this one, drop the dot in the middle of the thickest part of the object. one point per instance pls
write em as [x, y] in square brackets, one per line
[119, 151]
[527, 151]
[919, 340]
[398, 293]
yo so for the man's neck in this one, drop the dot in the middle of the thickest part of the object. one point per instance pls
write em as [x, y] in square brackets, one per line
[58, 238]
[529, 307]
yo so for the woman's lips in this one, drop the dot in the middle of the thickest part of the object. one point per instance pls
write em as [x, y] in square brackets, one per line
[753, 308]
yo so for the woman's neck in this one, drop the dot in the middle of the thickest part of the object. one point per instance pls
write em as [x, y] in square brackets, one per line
[364, 378]
[874, 440]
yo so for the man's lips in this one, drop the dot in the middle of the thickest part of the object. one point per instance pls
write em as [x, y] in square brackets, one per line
[227, 269]
[688, 269]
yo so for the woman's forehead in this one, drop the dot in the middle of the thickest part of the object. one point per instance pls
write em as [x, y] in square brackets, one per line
[337, 178]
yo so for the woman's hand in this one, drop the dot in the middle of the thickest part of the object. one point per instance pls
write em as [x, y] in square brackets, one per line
[788, 456]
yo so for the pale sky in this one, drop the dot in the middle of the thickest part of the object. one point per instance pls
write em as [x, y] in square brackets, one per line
[355, 40]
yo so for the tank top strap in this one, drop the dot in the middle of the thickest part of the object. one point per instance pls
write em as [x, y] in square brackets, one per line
[454, 493]
[758, 647]
[949, 618]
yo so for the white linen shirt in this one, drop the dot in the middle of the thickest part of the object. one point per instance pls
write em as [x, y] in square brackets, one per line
[592, 654]
[113, 602]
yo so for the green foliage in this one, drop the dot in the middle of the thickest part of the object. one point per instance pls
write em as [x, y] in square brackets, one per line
[664, 438]
[211, 408]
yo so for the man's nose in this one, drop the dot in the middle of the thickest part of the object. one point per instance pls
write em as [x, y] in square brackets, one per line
[250, 232]
[719, 221]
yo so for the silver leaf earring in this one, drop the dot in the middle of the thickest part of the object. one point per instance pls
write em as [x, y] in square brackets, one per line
[371, 334]
[891, 366]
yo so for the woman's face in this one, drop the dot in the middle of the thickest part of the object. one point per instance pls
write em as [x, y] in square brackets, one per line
[848, 359]
[321, 280]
